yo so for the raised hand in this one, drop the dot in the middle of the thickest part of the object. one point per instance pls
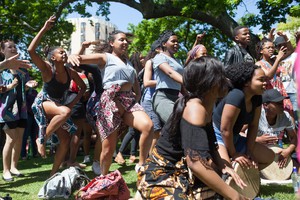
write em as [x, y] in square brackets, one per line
[50, 23]
[74, 60]
[13, 63]
[199, 37]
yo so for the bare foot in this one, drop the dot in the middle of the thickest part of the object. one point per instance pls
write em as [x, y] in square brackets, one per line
[132, 159]
[41, 148]
[119, 159]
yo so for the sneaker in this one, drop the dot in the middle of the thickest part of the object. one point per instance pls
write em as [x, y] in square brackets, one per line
[96, 168]
[137, 168]
[86, 159]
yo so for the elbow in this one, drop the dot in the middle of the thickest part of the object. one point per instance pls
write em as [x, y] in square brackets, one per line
[146, 84]
[224, 132]
[191, 164]
[30, 50]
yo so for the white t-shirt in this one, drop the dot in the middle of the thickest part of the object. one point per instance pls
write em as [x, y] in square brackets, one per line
[283, 121]
[287, 74]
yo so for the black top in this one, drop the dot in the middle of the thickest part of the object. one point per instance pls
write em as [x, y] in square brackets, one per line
[56, 89]
[237, 54]
[192, 140]
[236, 97]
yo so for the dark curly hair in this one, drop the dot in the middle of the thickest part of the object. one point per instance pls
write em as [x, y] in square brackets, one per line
[260, 45]
[199, 77]
[240, 73]
[164, 37]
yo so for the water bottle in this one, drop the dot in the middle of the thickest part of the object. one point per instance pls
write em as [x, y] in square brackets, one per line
[294, 177]
[280, 144]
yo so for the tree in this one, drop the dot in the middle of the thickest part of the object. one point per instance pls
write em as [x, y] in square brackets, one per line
[21, 19]
[148, 30]
[292, 25]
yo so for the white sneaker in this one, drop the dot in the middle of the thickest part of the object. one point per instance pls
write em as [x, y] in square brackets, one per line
[86, 159]
[96, 168]
[137, 168]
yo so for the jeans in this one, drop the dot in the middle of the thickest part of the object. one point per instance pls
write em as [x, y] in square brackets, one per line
[31, 131]
[134, 136]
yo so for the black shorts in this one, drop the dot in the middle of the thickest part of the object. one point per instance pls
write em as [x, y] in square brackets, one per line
[21, 123]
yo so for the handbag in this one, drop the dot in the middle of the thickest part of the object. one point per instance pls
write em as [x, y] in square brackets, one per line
[109, 187]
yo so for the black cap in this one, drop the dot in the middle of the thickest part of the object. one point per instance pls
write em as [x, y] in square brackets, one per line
[279, 40]
[272, 95]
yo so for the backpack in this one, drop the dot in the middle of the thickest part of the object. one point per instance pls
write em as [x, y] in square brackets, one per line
[109, 187]
[60, 185]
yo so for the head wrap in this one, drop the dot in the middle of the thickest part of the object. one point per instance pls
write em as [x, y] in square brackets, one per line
[195, 50]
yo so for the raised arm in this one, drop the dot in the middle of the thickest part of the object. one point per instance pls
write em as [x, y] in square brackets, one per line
[289, 47]
[13, 63]
[96, 58]
[84, 45]
[272, 71]
[36, 59]
[199, 37]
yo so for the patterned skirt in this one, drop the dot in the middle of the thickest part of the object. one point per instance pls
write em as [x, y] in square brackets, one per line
[40, 116]
[161, 179]
[92, 108]
[108, 117]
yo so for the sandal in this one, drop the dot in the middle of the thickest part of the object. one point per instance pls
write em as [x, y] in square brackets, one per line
[132, 159]
[119, 159]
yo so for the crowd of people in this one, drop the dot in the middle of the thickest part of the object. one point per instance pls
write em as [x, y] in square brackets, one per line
[189, 122]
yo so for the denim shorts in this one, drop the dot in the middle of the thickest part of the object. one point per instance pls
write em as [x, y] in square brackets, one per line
[240, 142]
[147, 105]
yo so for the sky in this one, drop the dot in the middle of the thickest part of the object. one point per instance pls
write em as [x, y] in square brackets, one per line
[121, 15]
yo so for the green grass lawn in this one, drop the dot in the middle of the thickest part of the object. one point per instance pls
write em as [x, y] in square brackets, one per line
[36, 171]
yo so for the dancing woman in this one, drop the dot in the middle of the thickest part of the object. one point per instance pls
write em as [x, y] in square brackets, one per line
[168, 74]
[118, 104]
[51, 109]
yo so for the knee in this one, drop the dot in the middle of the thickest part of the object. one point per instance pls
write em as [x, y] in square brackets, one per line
[65, 112]
[147, 126]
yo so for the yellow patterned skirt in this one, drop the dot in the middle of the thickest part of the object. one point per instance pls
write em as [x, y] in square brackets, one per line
[161, 179]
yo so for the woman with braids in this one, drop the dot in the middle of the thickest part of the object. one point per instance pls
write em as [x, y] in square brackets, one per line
[188, 141]
[242, 106]
[51, 107]
[168, 74]
[118, 102]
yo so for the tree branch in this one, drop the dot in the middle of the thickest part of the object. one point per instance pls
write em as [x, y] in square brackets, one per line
[63, 5]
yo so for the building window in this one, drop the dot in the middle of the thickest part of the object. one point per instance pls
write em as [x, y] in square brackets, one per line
[82, 31]
[97, 31]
